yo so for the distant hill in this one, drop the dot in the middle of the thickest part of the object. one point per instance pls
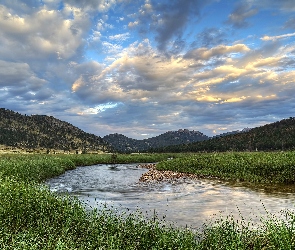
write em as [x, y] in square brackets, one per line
[47, 132]
[275, 136]
[232, 132]
[124, 144]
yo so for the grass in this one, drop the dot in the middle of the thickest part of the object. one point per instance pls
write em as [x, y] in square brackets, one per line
[255, 167]
[227, 233]
[39, 167]
[32, 217]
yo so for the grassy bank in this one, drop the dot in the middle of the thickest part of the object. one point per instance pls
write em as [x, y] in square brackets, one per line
[34, 218]
[256, 167]
[31, 217]
[39, 167]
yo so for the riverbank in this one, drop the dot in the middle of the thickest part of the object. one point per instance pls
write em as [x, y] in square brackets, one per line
[32, 217]
[252, 167]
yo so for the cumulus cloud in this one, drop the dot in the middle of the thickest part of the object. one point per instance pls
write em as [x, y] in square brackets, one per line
[152, 81]
[37, 49]
[136, 76]
[44, 33]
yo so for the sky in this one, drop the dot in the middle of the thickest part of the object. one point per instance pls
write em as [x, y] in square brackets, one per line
[144, 67]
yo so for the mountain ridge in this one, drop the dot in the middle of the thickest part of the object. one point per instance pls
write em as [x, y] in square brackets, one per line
[125, 144]
[275, 136]
[45, 132]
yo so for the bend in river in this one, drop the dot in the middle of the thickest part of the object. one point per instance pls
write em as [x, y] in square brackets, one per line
[185, 203]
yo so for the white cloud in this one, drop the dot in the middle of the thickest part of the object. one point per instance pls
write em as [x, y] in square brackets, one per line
[220, 50]
[133, 24]
[120, 37]
[111, 48]
[39, 35]
[274, 38]
[92, 5]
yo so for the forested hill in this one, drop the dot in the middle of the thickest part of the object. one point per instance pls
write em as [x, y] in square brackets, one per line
[275, 136]
[47, 132]
[124, 144]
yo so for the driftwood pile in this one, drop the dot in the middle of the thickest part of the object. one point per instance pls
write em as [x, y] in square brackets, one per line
[156, 175]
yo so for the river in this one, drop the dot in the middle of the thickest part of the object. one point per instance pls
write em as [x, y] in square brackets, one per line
[186, 203]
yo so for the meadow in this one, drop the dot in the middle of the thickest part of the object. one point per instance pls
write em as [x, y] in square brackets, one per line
[254, 167]
[32, 217]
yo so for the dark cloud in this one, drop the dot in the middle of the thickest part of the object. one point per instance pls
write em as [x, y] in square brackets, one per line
[290, 24]
[238, 18]
[282, 5]
[173, 19]
[174, 16]
[12, 74]
[210, 37]
[178, 46]
[168, 20]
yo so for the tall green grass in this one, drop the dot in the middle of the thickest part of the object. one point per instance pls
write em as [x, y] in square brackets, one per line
[38, 167]
[256, 167]
[32, 217]
[229, 233]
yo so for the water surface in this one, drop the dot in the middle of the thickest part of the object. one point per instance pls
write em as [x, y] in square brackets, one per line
[186, 203]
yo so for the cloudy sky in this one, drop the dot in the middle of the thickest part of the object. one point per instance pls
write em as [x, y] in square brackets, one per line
[144, 67]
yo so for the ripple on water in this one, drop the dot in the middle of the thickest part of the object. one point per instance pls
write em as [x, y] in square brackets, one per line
[188, 202]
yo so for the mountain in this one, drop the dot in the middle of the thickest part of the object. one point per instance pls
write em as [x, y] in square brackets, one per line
[232, 132]
[45, 132]
[274, 136]
[124, 144]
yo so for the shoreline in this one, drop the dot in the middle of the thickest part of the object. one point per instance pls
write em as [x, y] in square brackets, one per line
[153, 176]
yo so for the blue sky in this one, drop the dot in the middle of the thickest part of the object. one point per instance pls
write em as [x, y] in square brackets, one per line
[145, 67]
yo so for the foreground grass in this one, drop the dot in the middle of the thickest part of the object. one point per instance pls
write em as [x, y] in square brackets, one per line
[256, 167]
[32, 217]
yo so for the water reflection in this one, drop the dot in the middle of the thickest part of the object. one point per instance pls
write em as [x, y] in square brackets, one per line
[186, 203]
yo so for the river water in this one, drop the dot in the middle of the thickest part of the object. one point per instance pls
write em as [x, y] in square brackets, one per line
[184, 203]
